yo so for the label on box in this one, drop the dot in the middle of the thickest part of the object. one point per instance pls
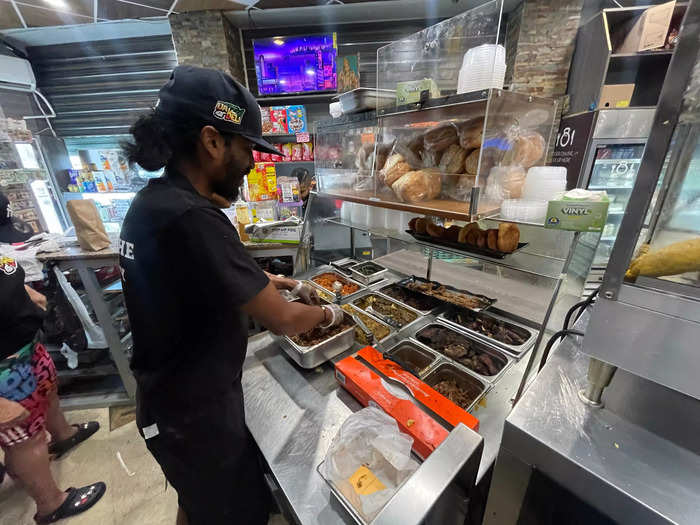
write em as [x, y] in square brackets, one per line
[364, 482]
[576, 215]
[303, 137]
[340, 377]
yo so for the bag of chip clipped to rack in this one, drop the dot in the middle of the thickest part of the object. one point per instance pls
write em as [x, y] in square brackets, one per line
[368, 460]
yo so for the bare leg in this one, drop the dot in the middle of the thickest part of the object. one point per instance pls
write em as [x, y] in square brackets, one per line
[181, 517]
[56, 422]
[29, 463]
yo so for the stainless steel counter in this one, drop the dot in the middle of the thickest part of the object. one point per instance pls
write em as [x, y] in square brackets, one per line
[635, 460]
[294, 414]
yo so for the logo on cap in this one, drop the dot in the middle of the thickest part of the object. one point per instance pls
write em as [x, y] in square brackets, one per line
[228, 112]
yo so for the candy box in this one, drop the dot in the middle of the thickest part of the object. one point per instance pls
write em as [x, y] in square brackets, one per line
[266, 120]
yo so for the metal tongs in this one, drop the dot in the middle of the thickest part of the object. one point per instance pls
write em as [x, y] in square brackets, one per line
[369, 334]
[388, 320]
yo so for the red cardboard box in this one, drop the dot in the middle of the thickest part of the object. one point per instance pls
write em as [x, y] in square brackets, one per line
[367, 388]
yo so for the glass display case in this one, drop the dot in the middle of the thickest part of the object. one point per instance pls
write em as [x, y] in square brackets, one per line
[647, 319]
[439, 150]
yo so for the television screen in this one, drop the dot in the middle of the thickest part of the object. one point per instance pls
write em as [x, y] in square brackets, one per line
[295, 64]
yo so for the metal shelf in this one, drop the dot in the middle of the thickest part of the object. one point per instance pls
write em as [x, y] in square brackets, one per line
[609, 187]
[533, 264]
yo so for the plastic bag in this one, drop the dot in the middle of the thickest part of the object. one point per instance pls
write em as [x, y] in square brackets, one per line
[95, 335]
[368, 460]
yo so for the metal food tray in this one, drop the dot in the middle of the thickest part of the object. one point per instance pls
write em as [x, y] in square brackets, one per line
[434, 311]
[419, 315]
[343, 265]
[368, 279]
[463, 247]
[407, 343]
[312, 356]
[379, 321]
[365, 99]
[321, 290]
[438, 373]
[342, 278]
[486, 301]
[479, 344]
[515, 351]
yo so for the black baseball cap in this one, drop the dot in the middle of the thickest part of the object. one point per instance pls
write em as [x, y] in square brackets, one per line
[211, 97]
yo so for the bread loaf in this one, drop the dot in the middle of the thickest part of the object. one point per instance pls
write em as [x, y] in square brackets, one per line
[421, 225]
[508, 237]
[465, 231]
[481, 239]
[472, 237]
[492, 239]
[452, 233]
[440, 137]
[452, 160]
[412, 224]
[528, 149]
[434, 230]
[470, 133]
[394, 168]
[418, 186]
[471, 163]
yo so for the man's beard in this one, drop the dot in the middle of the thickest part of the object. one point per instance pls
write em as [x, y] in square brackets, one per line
[229, 186]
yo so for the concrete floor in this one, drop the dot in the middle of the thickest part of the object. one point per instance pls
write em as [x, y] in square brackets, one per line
[142, 498]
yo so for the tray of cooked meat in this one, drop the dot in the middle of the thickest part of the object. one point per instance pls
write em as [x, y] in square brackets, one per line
[423, 303]
[379, 330]
[327, 280]
[463, 389]
[504, 333]
[447, 294]
[317, 346]
[392, 313]
[412, 357]
[474, 354]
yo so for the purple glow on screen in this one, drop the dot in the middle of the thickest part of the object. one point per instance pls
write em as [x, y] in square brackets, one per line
[295, 64]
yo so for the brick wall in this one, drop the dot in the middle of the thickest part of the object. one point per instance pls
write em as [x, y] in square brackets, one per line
[545, 46]
[200, 39]
[511, 41]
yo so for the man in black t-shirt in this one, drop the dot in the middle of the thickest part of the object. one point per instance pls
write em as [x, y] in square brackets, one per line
[189, 285]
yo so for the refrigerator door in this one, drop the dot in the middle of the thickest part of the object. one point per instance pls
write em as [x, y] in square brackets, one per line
[614, 170]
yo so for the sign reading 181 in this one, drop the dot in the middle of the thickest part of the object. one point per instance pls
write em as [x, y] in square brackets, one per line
[565, 137]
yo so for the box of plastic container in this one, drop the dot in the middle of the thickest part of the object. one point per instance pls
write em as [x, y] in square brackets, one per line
[577, 215]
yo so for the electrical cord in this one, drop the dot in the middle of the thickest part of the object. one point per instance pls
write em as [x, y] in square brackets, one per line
[550, 343]
[578, 308]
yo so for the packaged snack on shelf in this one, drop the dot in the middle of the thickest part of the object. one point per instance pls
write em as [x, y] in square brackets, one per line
[266, 121]
[287, 152]
[263, 211]
[262, 182]
[265, 157]
[307, 152]
[256, 156]
[296, 119]
[278, 118]
[285, 210]
[296, 152]
[277, 158]
[288, 189]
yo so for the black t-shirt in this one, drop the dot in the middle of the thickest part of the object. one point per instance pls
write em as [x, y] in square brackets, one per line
[186, 276]
[20, 318]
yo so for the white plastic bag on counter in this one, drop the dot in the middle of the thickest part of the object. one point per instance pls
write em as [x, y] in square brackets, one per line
[368, 460]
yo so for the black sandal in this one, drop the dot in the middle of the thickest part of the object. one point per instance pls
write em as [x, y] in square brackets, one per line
[58, 448]
[78, 501]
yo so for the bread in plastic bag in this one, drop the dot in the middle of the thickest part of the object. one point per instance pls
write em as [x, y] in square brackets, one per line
[371, 439]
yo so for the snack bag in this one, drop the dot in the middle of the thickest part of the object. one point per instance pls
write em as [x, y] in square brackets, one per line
[296, 119]
[266, 121]
[307, 152]
[287, 152]
[264, 157]
[256, 156]
[278, 117]
[296, 152]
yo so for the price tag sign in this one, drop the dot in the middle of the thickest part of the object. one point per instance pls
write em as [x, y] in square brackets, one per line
[303, 137]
